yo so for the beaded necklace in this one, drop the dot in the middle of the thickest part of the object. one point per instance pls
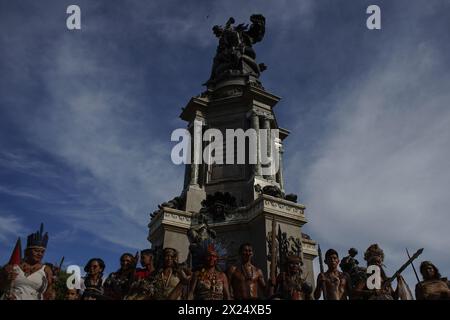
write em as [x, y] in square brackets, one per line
[248, 276]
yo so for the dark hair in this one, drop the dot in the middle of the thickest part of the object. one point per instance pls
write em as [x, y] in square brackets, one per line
[174, 253]
[425, 264]
[93, 293]
[27, 251]
[101, 263]
[246, 244]
[372, 252]
[329, 253]
[78, 291]
[147, 252]
[127, 254]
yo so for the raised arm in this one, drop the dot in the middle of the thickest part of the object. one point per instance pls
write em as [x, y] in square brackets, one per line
[320, 283]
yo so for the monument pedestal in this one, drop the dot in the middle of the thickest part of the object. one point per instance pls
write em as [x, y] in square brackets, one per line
[168, 228]
[239, 201]
[194, 197]
[250, 224]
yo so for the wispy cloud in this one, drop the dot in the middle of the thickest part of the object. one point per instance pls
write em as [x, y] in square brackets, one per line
[381, 173]
[90, 124]
[102, 103]
[191, 23]
[10, 226]
[23, 161]
[19, 193]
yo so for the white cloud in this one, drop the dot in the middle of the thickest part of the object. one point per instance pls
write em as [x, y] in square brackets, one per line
[381, 174]
[108, 224]
[91, 123]
[10, 227]
[23, 161]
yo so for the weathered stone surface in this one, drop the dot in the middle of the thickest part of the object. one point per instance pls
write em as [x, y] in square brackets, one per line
[234, 99]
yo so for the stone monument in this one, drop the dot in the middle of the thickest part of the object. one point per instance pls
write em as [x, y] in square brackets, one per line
[237, 203]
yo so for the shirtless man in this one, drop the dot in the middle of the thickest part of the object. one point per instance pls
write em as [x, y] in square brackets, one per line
[334, 281]
[246, 280]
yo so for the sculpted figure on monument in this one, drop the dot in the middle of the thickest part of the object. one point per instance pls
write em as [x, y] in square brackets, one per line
[273, 191]
[199, 235]
[175, 203]
[246, 280]
[433, 286]
[235, 54]
[218, 206]
[276, 192]
[290, 284]
[291, 197]
[200, 231]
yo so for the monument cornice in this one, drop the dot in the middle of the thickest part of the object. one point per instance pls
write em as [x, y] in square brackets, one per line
[195, 107]
[298, 206]
[265, 204]
[170, 216]
[309, 247]
[284, 210]
[260, 95]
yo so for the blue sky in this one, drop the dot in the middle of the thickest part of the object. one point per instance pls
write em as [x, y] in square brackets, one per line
[86, 118]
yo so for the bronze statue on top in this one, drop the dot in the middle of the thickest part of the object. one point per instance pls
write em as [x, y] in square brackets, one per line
[235, 55]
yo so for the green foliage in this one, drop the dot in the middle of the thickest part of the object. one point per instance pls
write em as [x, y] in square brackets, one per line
[60, 285]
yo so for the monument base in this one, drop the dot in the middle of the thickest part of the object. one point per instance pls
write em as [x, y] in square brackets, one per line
[251, 224]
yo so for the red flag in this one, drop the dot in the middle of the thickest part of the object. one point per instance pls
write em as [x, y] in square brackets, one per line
[16, 255]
